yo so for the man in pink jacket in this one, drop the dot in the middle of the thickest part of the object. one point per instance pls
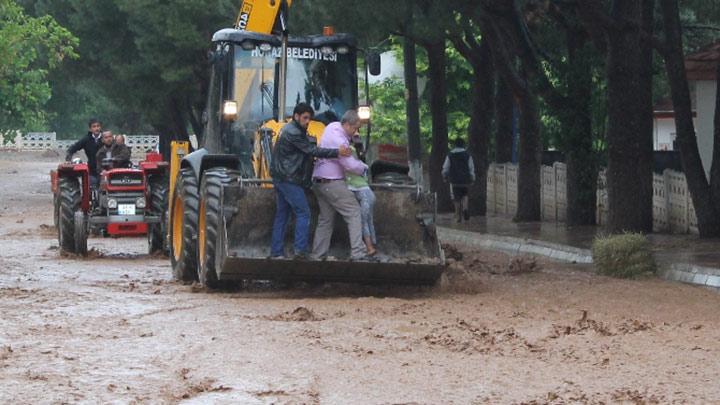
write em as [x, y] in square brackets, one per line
[333, 194]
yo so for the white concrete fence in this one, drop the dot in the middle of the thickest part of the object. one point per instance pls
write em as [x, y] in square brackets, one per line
[673, 210]
[40, 141]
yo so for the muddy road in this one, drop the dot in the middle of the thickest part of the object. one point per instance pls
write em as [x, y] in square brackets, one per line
[116, 328]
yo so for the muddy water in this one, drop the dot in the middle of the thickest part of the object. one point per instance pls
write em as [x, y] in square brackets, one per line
[115, 328]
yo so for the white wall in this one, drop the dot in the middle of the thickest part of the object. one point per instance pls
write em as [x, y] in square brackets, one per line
[389, 67]
[705, 97]
[664, 133]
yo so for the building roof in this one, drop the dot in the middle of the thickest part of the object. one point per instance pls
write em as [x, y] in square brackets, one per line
[702, 65]
[664, 109]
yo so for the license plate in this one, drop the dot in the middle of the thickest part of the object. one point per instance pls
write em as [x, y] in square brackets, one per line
[126, 209]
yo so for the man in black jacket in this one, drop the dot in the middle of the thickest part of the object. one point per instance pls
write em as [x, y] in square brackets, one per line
[291, 170]
[119, 153]
[460, 170]
[90, 144]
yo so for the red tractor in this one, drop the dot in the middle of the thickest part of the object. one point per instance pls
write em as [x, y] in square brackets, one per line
[127, 202]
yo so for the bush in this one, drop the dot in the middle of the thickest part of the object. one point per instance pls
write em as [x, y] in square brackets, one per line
[626, 256]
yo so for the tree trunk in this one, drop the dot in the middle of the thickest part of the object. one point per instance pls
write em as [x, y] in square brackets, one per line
[706, 211]
[412, 105]
[628, 173]
[715, 167]
[646, 161]
[438, 109]
[480, 123]
[530, 146]
[503, 122]
[529, 161]
[576, 121]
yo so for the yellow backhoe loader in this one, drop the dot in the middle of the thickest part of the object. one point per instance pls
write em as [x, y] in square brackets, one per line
[221, 199]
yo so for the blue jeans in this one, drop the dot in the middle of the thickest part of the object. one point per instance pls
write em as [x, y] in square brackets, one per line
[289, 197]
[366, 198]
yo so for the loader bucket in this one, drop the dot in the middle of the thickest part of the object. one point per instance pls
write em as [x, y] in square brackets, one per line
[408, 248]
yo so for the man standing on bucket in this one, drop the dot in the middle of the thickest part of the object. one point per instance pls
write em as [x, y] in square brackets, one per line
[291, 170]
[332, 191]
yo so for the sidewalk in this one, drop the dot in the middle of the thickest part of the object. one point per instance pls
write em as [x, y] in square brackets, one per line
[684, 258]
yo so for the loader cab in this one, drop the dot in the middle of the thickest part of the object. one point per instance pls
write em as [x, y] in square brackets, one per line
[321, 71]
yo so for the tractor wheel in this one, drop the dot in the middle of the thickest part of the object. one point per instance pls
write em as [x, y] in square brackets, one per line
[69, 204]
[81, 233]
[211, 226]
[157, 233]
[56, 210]
[183, 227]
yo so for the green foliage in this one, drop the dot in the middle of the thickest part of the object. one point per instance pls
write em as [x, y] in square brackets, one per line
[626, 256]
[700, 21]
[371, 21]
[142, 63]
[459, 80]
[388, 100]
[29, 49]
[388, 123]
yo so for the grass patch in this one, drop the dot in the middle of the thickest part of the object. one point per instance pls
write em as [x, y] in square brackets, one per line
[626, 256]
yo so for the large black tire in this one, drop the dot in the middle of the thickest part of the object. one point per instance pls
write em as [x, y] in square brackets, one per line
[211, 231]
[81, 233]
[157, 233]
[69, 204]
[56, 210]
[183, 227]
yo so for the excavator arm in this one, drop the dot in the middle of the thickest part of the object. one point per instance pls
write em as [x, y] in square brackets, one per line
[261, 16]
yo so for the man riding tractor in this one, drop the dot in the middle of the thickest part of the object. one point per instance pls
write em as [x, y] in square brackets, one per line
[127, 202]
[111, 153]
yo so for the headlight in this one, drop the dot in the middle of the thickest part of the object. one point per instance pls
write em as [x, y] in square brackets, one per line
[342, 49]
[112, 203]
[230, 110]
[140, 202]
[364, 112]
[265, 47]
[327, 50]
[247, 45]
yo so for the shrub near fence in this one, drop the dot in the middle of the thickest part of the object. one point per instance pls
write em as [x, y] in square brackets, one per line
[672, 207]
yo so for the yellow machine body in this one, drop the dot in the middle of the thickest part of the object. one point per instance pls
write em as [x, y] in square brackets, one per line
[258, 15]
[261, 164]
[222, 217]
[178, 150]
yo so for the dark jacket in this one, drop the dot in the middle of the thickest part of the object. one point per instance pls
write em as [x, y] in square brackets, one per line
[292, 157]
[458, 167]
[90, 146]
[119, 153]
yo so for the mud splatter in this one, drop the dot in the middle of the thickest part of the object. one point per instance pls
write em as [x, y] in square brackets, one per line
[299, 314]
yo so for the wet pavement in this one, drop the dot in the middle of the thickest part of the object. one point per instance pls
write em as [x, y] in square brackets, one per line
[115, 328]
[668, 248]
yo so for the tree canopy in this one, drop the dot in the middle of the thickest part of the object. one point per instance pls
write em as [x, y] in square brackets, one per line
[514, 77]
[29, 49]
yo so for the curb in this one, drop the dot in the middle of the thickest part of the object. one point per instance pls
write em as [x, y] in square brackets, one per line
[692, 274]
[516, 246]
[687, 273]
